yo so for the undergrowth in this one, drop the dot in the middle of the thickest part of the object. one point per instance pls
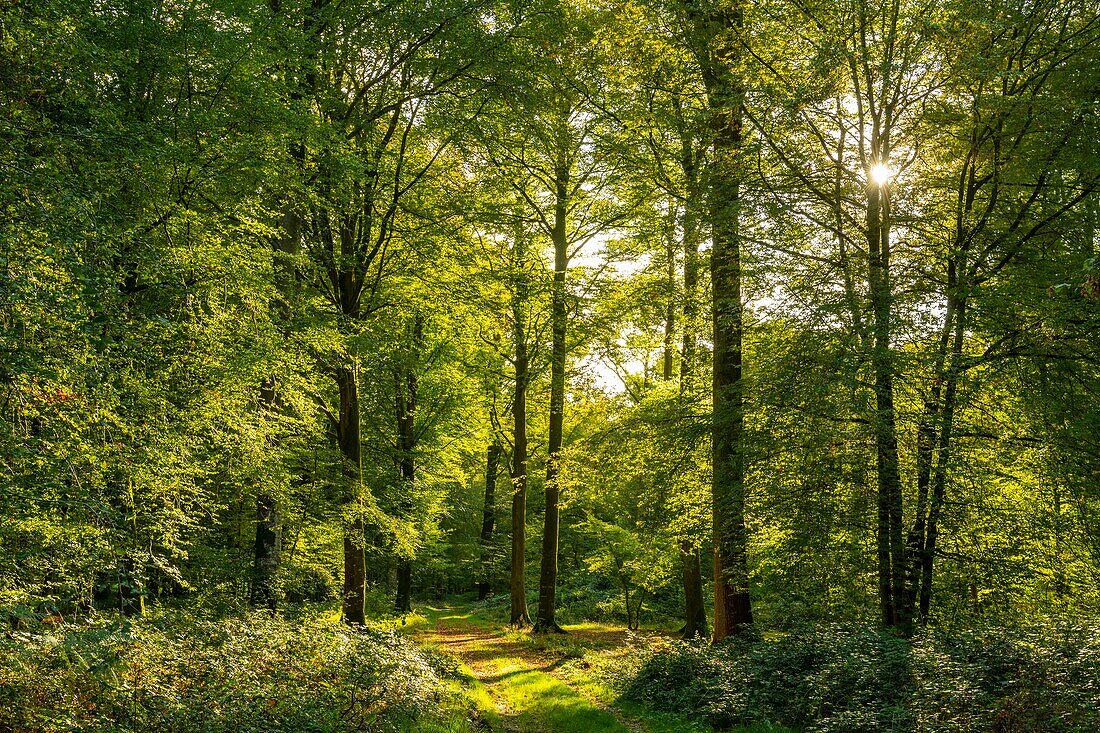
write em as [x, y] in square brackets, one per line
[173, 675]
[860, 680]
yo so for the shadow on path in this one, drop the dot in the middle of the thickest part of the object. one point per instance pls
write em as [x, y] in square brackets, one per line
[521, 676]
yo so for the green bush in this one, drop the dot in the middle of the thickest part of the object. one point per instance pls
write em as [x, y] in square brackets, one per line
[860, 680]
[248, 674]
[308, 583]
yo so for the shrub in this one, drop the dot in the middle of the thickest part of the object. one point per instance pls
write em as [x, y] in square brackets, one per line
[858, 679]
[308, 582]
[248, 674]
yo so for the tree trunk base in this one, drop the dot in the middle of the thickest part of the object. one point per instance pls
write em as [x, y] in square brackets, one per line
[547, 627]
[693, 631]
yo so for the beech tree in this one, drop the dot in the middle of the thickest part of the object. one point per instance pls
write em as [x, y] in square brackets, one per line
[715, 34]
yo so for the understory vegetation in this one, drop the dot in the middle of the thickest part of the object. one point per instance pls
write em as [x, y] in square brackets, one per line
[172, 673]
[837, 679]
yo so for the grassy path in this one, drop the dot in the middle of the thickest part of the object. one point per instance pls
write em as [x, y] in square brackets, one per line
[531, 684]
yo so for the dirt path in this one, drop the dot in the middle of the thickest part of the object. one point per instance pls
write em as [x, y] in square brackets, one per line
[524, 681]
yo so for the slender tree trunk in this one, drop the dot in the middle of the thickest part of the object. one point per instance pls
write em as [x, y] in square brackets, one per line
[691, 295]
[406, 403]
[926, 447]
[851, 297]
[355, 561]
[548, 577]
[726, 98]
[695, 613]
[639, 599]
[492, 461]
[517, 579]
[943, 458]
[891, 546]
[1060, 586]
[927, 439]
[626, 599]
[266, 555]
[695, 610]
[403, 599]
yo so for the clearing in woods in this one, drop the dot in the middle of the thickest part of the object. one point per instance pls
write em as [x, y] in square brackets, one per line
[543, 684]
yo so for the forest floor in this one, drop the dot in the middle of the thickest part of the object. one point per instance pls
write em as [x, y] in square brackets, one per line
[525, 683]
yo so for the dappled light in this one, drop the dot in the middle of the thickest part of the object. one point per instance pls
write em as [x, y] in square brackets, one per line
[549, 366]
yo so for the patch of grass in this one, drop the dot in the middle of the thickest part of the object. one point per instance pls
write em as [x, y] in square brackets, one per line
[461, 681]
[532, 699]
[455, 724]
[465, 616]
[538, 701]
[555, 683]
[591, 675]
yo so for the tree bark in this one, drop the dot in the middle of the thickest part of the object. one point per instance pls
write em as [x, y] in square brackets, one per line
[719, 56]
[405, 403]
[548, 577]
[517, 574]
[266, 554]
[939, 478]
[890, 544]
[695, 611]
[492, 460]
[403, 600]
[355, 561]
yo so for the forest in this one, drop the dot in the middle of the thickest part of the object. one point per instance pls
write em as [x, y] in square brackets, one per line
[550, 365]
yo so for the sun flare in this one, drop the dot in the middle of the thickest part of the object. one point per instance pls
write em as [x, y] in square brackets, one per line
[881, 174]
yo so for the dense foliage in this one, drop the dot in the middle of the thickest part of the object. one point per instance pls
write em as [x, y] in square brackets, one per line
[250, 674]
[735, 315]
[849, 679]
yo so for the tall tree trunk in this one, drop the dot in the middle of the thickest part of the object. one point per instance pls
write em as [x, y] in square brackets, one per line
[517, 573]
[405, 402]
[265, 559]
[492, 460]
[355, 561]
[265, 555]
[891, 546]
[695, 610]
[957, 305]
[927, 440]
[719, 55]
[926, 448]
[548, 577]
